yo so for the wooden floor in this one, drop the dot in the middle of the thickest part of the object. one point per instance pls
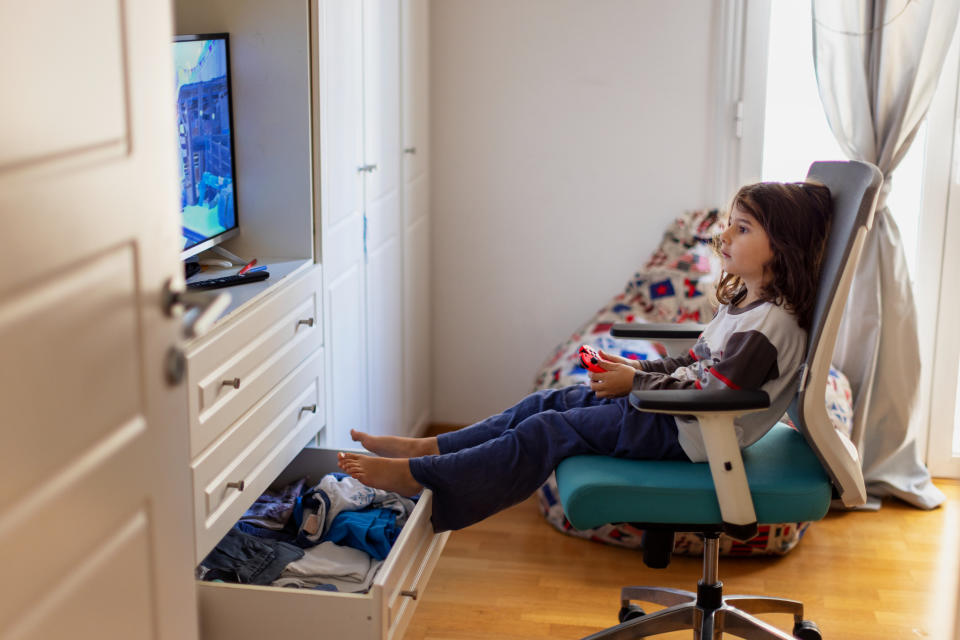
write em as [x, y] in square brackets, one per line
[888, 575]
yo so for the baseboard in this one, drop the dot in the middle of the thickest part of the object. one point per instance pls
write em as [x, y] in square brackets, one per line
[436, 428]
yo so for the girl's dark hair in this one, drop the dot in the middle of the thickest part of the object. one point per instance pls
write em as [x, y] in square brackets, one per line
[796, 218]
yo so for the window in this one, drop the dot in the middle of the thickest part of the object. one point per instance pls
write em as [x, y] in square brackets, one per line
[795, 129]
[924, 198]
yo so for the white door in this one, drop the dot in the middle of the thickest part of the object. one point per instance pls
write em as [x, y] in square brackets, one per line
[95, 525]
[340, 69]
[416, 219]
[381, 109]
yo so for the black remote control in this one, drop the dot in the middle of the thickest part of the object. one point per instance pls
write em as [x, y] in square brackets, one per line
[229, 281]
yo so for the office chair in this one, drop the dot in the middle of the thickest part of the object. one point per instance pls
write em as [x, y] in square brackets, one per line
[786, 476]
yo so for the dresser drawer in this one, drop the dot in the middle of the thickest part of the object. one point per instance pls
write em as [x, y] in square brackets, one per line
[230, 371]
[247, 457]
[232, 612]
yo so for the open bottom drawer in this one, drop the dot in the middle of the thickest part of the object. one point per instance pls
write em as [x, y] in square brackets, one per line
[244, 612]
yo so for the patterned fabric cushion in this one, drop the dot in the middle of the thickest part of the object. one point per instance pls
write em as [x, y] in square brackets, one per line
[771, 539]
[675, 285]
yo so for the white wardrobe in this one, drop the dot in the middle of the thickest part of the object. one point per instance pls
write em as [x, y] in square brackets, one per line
[374, 177]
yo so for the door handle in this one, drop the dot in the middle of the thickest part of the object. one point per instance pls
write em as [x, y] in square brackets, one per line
[200, 309]
[367, 168]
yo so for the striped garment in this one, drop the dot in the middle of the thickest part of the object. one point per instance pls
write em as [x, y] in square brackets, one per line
[760, 346]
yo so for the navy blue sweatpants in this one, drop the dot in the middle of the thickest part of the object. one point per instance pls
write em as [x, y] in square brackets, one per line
[500, 461]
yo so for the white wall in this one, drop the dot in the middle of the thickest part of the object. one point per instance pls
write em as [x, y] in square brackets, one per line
[566, 134]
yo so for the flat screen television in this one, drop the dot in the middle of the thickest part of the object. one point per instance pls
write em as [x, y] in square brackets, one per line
[208, 200]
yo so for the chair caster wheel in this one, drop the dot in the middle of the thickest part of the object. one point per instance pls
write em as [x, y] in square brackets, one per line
[630, 612]
[807, 630]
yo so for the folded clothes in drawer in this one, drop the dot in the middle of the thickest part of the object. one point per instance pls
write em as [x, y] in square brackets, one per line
[345, 589]
[333, 536]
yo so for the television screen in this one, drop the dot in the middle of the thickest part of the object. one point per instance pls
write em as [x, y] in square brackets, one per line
[204, 124]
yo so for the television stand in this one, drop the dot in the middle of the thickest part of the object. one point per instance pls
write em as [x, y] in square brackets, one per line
[232, 257]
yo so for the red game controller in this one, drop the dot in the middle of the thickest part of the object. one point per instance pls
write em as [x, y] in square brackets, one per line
[590, 359]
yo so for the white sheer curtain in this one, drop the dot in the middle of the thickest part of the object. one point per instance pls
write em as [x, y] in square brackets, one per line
[877, 65]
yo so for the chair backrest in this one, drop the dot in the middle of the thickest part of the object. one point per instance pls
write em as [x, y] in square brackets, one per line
[854, 187]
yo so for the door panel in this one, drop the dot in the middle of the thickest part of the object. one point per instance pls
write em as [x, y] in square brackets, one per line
[54, 351]
[416, 361]
[381, 99]
[112, 582]
[341, 147]
[381, 74]
[416, 219]
[67, 518]
[346, 351]
[94, 444]
[385, 339]
[341, 74]
[415, 47]
[95, 93]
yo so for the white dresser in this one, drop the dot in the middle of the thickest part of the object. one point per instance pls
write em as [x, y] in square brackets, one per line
[255, 398]
[255, 392]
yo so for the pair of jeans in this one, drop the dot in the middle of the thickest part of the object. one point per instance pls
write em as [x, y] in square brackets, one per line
[500, 461]
[246, 559]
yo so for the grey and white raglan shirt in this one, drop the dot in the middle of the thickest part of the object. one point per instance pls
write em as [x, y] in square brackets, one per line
[760, 346]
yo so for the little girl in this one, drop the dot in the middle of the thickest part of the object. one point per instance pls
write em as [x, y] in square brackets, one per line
[770, 250]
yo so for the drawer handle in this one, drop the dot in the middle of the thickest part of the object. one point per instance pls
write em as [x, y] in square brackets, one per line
[309, 322]
[312, 408]
[235, 485]
[425, 566]
[235, 383]
[410, 150]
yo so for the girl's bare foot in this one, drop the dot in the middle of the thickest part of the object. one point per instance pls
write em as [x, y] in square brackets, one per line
[396, 446]
[389, 474]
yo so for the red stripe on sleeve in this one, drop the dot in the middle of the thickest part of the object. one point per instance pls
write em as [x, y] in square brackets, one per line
[723, 379]
[693, 355]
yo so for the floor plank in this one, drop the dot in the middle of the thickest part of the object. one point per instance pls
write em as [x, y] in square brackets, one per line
[888, 574]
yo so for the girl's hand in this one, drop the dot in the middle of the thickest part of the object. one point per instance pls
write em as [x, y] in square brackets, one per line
[618, 359]
[616, 381]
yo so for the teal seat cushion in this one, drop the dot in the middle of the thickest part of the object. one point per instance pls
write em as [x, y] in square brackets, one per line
[786, 480]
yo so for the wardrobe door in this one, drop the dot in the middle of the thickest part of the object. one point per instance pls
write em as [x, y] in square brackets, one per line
[340, 70]
[95, 540]
[416, 214]
[381, 116]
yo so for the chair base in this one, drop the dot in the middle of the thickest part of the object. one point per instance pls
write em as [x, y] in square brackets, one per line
[733, 617]
[707, 612]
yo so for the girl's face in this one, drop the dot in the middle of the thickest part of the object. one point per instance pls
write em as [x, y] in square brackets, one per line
[745, 248]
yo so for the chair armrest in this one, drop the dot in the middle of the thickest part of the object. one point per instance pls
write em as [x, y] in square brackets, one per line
[695, 401]
[652, 331]
[715, 412]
